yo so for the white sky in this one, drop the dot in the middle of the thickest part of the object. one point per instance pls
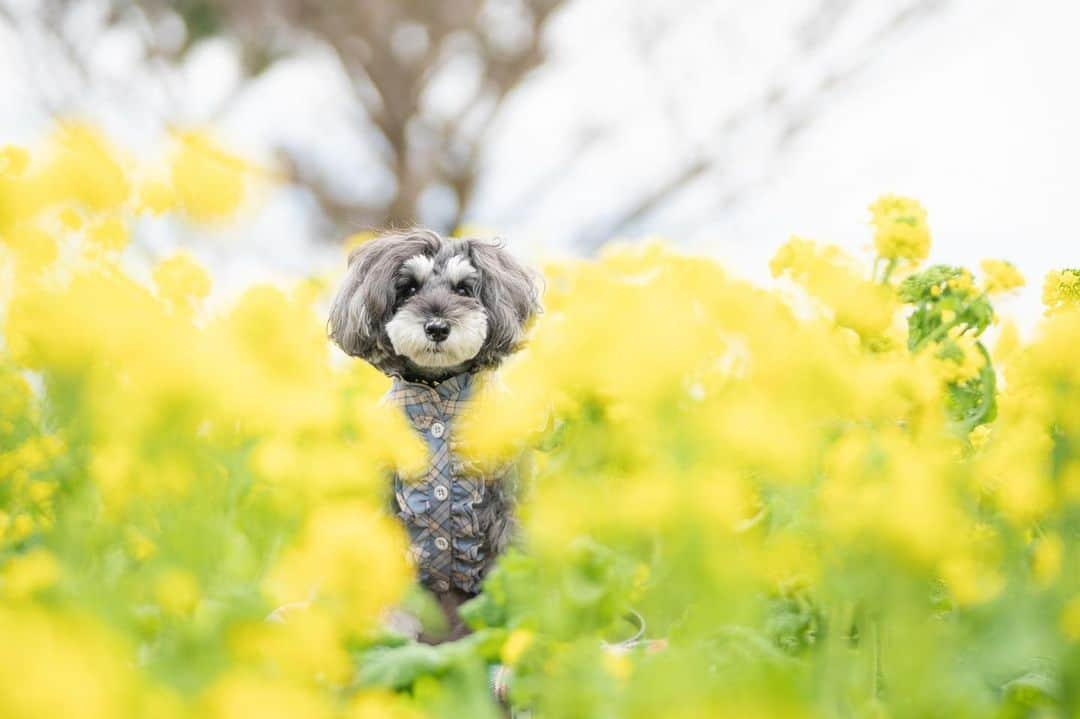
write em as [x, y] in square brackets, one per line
[973, 109]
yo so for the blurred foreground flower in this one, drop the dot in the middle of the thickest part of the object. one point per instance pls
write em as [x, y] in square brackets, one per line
[210, 182]
[900, 229]
[822, 495]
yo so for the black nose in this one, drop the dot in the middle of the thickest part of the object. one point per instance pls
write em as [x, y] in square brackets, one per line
[437, 330]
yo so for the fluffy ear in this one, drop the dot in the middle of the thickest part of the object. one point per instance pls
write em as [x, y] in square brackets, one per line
[509, 292]
[364, 302]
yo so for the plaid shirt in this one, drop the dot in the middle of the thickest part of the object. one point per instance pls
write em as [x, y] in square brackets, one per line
[458, 518]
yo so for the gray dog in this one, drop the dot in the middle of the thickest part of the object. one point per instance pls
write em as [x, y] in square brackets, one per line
[433, 313]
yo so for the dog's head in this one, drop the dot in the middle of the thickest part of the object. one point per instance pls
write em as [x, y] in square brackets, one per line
[428, 308]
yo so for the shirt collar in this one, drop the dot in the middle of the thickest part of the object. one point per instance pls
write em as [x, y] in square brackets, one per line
[418, 398]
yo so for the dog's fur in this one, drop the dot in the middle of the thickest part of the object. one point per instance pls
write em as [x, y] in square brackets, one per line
[398, 282]
[425, 309]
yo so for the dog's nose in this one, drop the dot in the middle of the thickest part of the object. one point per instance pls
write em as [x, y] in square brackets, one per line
[437, 330]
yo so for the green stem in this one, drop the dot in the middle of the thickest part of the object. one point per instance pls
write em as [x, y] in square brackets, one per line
[943, 329]
[989, 388]
[888, 271]
[836, 667]
[878, 674]
[935, 335]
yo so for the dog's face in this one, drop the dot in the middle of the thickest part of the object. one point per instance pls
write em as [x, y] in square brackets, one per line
[428, 308]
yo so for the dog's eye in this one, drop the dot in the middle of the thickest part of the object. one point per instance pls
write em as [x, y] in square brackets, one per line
[463, 290]
[408, 289]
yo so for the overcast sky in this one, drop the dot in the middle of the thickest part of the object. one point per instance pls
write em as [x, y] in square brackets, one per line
[800, 113]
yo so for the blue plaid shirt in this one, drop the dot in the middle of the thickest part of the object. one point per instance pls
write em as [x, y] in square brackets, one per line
[458, 517]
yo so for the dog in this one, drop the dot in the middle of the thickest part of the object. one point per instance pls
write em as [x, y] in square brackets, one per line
[436, 314]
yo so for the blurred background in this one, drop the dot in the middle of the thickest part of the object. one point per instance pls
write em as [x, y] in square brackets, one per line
[723, 126]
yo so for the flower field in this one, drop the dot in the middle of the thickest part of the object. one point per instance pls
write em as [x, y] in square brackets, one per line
[831, 498]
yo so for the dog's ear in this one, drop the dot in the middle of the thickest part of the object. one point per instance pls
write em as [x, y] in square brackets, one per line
[353, 318]
[364, 302]
[509, 292]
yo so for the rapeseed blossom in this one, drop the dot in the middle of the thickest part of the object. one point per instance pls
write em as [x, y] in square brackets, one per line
[209, 182]
[142, 446]
[181, 281]
[900, 229]
[1061, 290]
[822, 495]
[1000, 276]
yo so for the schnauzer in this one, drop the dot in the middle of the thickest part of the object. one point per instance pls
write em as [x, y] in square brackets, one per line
[434, 313]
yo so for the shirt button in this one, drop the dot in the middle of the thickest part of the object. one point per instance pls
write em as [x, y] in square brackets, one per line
[441, 543]
[441, 493]
[438, 429]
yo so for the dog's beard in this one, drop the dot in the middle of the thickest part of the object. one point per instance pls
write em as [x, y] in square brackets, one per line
[467, 335]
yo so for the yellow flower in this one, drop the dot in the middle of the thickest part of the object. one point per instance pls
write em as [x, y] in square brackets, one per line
[979, 436]
[33, 248]
[71, 219]
[962, 282]
[177, 592]
[1070, 619]
[109, 234]
[181, 280]
[27, 574]
[1008, 342]
[788, 431]
[900, 229]
[374, 704]
[617, 664]
[21, 528]
[139, 545]
[1061, 290]
[156, 197]
[241, 696]
[55, 665]
[309, 644]
[971, 581]
[1000, 276]
[832, 277]
[210, 183]
[355, 558]
[515, 646]
[1046, 559]
[13, 161]
[83, 168]
[962, 361]
[39, 492]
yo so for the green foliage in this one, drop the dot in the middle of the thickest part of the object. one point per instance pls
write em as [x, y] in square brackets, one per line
[938, 290]
[586, 596]
[947, 307]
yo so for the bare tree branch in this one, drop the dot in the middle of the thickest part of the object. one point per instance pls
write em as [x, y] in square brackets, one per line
[798, 114]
